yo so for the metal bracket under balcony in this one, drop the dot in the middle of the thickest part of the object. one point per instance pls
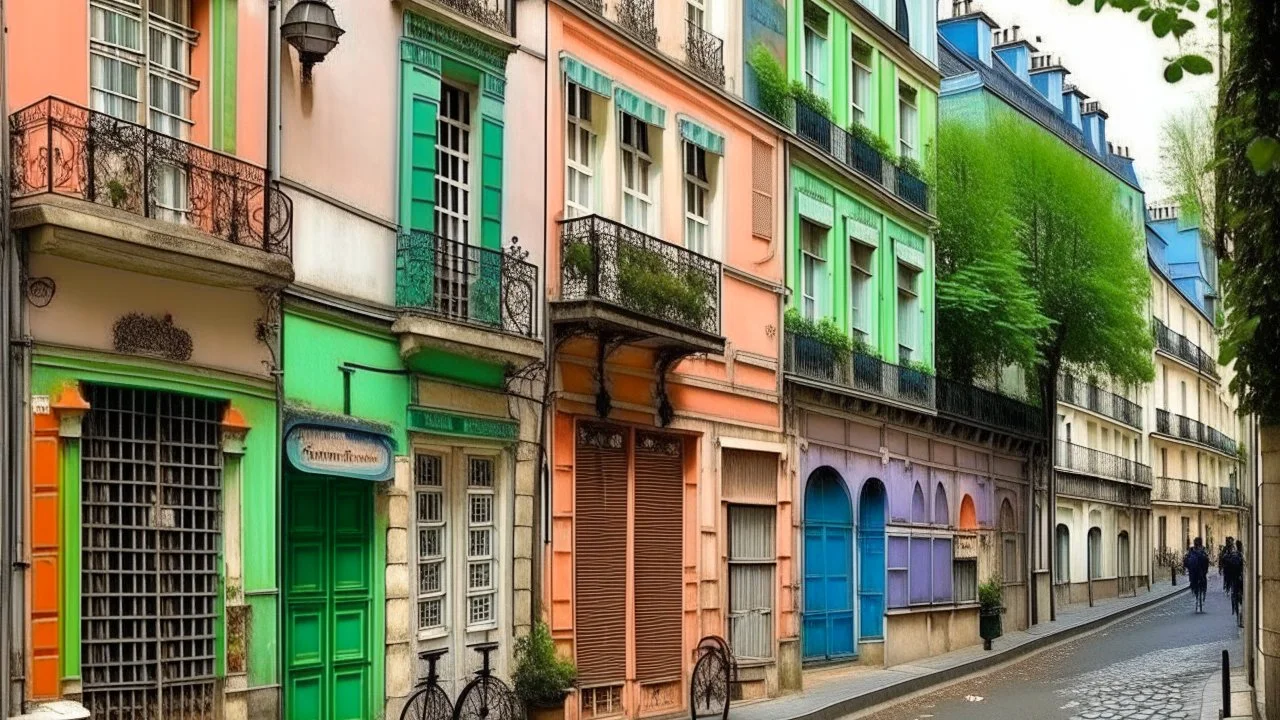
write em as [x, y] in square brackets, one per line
[624, 287]
[465, 300]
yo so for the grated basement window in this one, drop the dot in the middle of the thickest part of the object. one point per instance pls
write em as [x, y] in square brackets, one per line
[151, 469]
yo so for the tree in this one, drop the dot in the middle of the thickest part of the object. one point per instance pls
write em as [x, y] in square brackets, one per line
[990, 313]
[1187, 155]
[1249, 193]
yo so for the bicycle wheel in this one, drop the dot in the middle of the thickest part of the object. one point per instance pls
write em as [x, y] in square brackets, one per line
[429, 703]
[487, 698]
[709, 687]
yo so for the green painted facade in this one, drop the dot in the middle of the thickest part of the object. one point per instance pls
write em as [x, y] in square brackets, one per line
[224, 19]
[53, 370]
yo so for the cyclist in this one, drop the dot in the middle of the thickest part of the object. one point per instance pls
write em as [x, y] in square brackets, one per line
[1197, 564]
[1235, 566]
[1225, 564]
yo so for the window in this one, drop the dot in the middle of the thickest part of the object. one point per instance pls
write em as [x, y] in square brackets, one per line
[1062, 563]
[814, 271]
[580, 152]
[861, 299]
[920, 570]
[637, 169]
[695, 13]
[1186, 533]
[697, 191]
[601, 701]
[1164, 462]
[1095, 553]
[860, 81]
[966, 580]
[902, 22]
[1162, 530]
[815, 49]
[908, 122]
[481, 590]
[908, 313]
[751, 566]
[428, 481]
[453, 164]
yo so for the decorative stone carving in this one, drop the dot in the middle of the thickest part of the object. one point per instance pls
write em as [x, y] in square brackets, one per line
[139, 334]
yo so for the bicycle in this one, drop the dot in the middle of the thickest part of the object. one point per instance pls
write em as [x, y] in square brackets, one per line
[429, 701]
[486, 696]
[714, 674]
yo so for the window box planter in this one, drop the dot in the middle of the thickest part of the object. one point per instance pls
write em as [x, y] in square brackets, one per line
[913, 384]
[868, 372]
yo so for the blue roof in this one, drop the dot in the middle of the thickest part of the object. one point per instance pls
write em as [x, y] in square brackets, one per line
[1179, 255]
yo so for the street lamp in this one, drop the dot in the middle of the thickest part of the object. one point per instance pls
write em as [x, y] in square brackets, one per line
[311, 28]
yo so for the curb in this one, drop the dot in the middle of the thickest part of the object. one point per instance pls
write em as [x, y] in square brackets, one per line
[859, 703]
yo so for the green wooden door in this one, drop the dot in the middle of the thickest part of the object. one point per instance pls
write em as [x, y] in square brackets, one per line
[329, 599]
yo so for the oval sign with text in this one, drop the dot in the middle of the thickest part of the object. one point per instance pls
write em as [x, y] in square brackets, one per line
[340, 451]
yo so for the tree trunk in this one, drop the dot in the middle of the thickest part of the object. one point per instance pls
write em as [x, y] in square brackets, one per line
[1269, 572]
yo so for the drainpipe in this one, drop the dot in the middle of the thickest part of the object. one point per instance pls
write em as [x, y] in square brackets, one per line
[7, 486]
[273, 176]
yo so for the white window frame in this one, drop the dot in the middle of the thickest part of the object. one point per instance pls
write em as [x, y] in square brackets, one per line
[698, 235]
[861, 299]
[423, 492]
[908, 121]
[464, 124]
[643, 162]
[860, 112]
[770, 562]
[482, 493]
[695, 12]
[815, 43]
[579, 131]
[811, 295]
[908, 313]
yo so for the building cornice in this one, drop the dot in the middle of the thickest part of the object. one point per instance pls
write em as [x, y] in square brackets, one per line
[892, 42]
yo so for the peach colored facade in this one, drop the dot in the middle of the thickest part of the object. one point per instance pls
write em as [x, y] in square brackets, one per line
[723, 403]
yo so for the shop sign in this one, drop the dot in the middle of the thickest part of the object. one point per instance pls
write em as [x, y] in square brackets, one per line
[342, 452]
[445, 423]
[966, 547]
[40, 405]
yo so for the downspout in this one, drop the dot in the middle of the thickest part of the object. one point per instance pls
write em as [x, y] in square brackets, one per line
[273, 177]
[547, 411]
[7, 485]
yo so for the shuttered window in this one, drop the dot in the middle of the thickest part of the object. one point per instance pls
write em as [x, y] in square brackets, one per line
[600, 552]
[761, 189]
[659, 526]
[749, 476]
[428, 482]
[751, 569]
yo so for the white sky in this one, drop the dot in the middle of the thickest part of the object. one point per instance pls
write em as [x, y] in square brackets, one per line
[1118, 61]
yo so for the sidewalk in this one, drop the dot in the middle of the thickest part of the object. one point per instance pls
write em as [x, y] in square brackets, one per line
[1241, 696]
[832, 695]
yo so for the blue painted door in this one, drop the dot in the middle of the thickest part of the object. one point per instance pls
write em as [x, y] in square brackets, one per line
[871, 567]
[828, 568]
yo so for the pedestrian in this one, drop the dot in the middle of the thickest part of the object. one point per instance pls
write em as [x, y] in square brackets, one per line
[1222, 564]
[1197, 564]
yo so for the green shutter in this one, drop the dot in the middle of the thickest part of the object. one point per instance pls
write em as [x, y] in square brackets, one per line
[490, 183]
[414, 264]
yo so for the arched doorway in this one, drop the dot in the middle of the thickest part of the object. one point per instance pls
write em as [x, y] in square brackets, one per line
[871, 560]
[1123, 570]
[968, 514]
[828, 567]
[1010, 567]
[1095, 553]
[1062, 560]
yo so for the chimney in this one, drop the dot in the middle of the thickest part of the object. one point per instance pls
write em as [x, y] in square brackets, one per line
[1049, 77]
[1015, 52]
[970, 30]
[1095, 126]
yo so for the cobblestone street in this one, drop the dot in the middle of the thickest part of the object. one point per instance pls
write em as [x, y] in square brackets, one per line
[1152, 666]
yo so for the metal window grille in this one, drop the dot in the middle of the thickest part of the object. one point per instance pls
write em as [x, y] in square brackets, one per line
[601, 701]
[480, 541]
[428, 481]
[151, 469]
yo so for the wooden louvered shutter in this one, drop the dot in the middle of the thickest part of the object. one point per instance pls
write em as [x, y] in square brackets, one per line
[749, 476]
[600, 554]
[761, 189]
[659, 556]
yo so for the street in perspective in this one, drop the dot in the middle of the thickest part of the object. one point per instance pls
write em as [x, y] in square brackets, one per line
[639, 359]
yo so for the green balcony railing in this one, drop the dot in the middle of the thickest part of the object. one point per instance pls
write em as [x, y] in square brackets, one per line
[466, 283]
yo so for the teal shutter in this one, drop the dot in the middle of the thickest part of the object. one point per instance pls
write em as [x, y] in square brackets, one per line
[415, 265]
[491, 183]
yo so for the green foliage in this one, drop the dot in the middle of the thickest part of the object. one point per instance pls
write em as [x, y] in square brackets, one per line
[819, 104]
[1167, 19]
[989, 594]
[920, 367]
[869, 136]
[825, 331]
[911, 166]
[117, 193]
[648, 284]
[1248, 124]
[1038, 264]
[541, 676]
[1187, 154]
[578, 259]
[774, 90]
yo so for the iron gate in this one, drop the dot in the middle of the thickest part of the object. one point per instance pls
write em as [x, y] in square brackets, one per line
[151, 469]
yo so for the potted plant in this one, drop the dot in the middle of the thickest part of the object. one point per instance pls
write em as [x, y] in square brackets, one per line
[542, 678]
[822, 349]
[989, 601]
[913, 381]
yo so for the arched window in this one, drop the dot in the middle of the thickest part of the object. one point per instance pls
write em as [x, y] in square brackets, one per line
[919, 511]
[1010, 567]
[1095, 553]
[903, 25]
[941, 511]
[968, 514]
[1122, 555]
[1062, 563]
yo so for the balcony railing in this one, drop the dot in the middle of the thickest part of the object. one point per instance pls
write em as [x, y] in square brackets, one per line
[1088, 461]
[813, 359]
[1182, 348]
[1232, 497]
[1181, 426]
[64, 149]
[1175, 490]
[636, 17]
[988, 408]
[1103, 491]
[857, 155]
[704, 53]
[490, 13]
[466, 283]
[1092, 397]
[605, 260]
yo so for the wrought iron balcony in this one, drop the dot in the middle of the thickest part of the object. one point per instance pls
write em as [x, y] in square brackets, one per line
[1091, 488]
[812, 359]
[1088, 461]
[636, 18]
[1181, 347]
[854, 153]
[981, 406]
[67, 150]
[1187, 492]
[614, 274]
[704, 53]
[1092, 397]
[466, 283]
[1184, 428]
[489, 13]
[1232, 497]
